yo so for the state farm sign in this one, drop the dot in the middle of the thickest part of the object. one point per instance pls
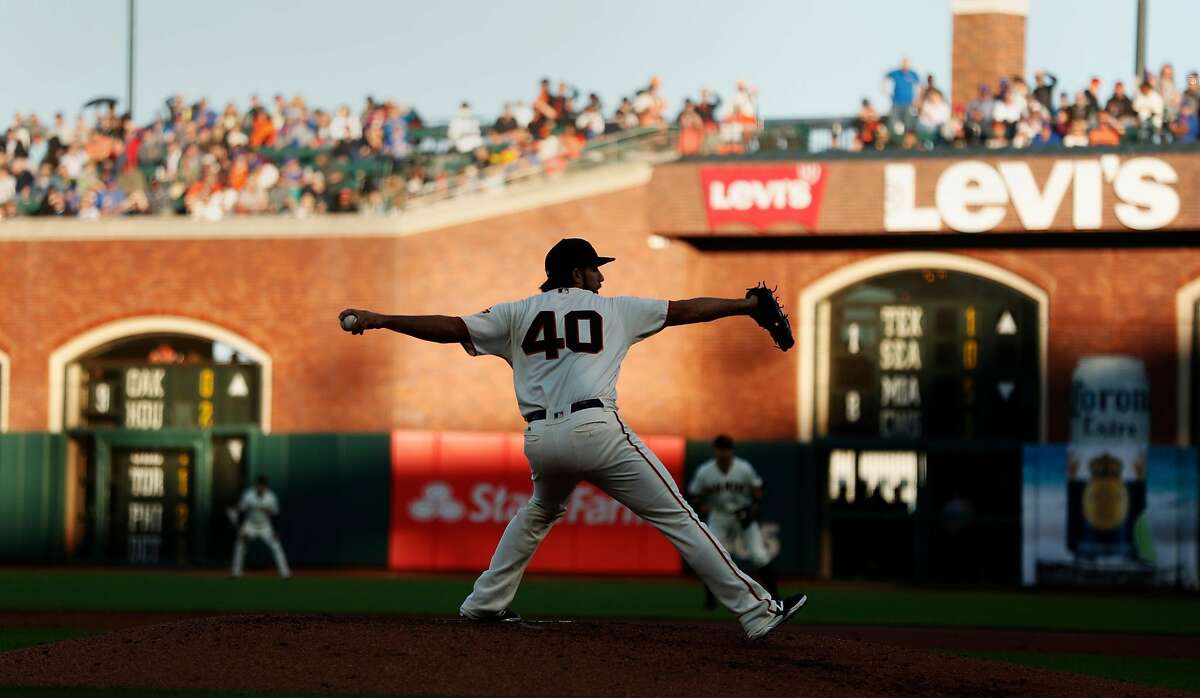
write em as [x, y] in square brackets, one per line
[452, 494]
[763, 196]
[974, 196]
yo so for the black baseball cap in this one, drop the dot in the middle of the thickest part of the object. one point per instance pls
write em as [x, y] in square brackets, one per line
[572, 253]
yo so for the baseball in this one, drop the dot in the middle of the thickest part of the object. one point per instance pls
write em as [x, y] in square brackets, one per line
[350, 322]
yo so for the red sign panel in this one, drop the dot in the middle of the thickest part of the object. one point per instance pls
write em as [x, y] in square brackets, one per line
[454, 492]
[763, 196]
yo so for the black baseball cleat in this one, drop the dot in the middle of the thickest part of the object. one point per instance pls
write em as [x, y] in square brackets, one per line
[781, 612]
[506, 615]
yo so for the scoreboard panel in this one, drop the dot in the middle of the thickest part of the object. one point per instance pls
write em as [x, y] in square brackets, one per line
[151, 505]
[157, 396]
[928, 354]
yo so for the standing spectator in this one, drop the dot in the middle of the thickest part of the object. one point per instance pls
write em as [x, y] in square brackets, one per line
[1043, 90]
[691, 129]
[591, 121]
[903, 85]
[625, 116]
[1009, 110]
[744, 108]
[345, 127]
[506, 122]
[707, 107]
[1149, 108]
[1084, 109]
[867, 125]
[1186, 127]
[1093, 95]
[1172, 97]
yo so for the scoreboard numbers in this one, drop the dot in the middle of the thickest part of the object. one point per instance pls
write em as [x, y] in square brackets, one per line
[152, 397]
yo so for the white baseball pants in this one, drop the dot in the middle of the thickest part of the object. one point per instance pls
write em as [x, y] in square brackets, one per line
[594, 445]
[266, 534]
[730, 533]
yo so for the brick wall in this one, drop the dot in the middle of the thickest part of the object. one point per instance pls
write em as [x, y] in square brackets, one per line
[987, 46]
[284, 294]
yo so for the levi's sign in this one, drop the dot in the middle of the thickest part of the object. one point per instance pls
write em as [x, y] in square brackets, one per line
[763, 196]
[974, 197]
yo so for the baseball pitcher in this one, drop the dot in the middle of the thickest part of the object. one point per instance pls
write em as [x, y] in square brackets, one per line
[729, 492]
[257, 507]
[565, 346]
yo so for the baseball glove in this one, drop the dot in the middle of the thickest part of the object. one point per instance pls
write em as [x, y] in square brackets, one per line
[770, 316]
[747, 514]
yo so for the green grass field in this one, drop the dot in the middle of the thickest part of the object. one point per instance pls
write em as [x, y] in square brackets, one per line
[66, 590]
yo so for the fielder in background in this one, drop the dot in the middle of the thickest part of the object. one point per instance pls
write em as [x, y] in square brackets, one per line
[728, 491]
[257, 508]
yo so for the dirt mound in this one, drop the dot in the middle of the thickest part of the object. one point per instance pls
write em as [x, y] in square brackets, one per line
[413, 655]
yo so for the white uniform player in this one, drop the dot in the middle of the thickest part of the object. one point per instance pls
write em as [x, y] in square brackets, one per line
[565, 347]
[258, 505]
[726, 493]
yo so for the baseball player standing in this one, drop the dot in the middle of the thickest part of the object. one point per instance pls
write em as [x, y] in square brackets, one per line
[258, 506]
[565, 346]
[729, 491]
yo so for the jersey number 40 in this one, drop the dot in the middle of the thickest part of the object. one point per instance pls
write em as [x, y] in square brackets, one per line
[542, 337]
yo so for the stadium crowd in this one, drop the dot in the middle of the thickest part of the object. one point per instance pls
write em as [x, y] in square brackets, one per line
[290, 157]
[1015, 114]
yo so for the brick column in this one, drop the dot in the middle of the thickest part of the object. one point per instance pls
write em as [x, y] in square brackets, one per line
[989, 43]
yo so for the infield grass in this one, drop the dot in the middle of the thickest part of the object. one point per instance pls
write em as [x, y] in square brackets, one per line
[66, 590]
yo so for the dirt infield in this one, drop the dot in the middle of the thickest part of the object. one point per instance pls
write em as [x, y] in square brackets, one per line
[414, 655]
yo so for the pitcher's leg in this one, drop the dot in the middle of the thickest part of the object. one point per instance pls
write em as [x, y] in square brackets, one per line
[636, 478]
[495, 588]
[239, 554]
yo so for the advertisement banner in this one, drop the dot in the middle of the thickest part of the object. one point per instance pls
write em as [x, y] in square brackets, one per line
[761, 196]
[1083, 523]
[454, 492]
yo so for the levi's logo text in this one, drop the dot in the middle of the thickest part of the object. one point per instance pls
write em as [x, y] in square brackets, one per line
[763, 196]
[494, 503]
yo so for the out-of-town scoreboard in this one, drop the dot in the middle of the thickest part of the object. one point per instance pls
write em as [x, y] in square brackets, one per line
[929, 354]
[151, 516]
[152, 396]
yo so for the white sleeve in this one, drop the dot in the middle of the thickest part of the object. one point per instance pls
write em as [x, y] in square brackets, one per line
[491, 332]
[245, 502]
[642, 317]
[752, 475]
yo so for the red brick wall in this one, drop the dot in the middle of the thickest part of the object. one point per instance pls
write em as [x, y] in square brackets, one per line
[284, 295]
[987, 46]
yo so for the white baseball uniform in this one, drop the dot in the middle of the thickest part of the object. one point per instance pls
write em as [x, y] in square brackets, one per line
[565, 346]
[725, 494]
[258, 510]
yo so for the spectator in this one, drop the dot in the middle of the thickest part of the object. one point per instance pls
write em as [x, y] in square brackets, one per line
[1119, 106]
[983, 104]
[1106, 133]
[464, 131]
[625, 116]
[1009, 110]
[591, 120]
[1172, 97]
[867, 125]
[903, 85]
[999, 135]
[1185, 128]
[506, 123]
[1043, 91]
[1191, 93]
[707, 107]
[974, 128]
[1092, 94]
[1047, 136]
[935, 113]
[1149, 108]
[1084, 108]
[1077, 136]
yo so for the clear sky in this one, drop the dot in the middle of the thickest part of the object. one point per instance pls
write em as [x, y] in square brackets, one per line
[808, 58]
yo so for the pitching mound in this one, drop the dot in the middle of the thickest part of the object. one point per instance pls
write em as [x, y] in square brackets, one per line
[451, 657]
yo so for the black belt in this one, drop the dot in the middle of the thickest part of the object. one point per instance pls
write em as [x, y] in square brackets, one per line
[575, 407]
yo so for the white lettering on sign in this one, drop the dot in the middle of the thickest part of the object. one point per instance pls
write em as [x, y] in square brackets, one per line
[145, 517]
[743, 195]
[900, 391]
[145, 482]
[145, 383]
[143, 548]
[491, 503]
[902, 423]
[901, 320]
[899, 355]
[144, 414]
[974, 197]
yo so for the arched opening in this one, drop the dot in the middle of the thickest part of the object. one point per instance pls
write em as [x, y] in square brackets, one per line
[160, 410]
[921, 375]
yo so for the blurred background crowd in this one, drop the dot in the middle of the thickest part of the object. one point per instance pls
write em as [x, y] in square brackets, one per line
[284, 156]
[1015, 113]
[288, 157]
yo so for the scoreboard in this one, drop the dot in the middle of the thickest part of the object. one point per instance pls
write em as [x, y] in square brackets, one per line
[150, 505]
[928, 354]
[158, 396]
